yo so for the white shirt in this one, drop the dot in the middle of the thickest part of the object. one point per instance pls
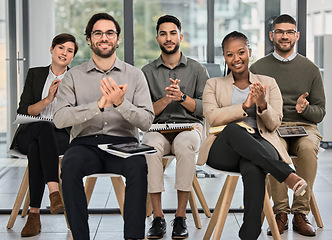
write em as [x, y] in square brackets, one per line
[49, 110]
[282, 59]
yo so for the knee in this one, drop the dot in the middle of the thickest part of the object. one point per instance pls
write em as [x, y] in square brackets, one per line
[136, 167]
[46, 127]
[307, 148]
[70, 166]
[252, 172]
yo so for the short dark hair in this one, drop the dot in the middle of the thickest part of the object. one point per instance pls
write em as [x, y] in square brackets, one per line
[63, 38]
[234, 35]
[100, 16]
[283, 18]
[168, 18]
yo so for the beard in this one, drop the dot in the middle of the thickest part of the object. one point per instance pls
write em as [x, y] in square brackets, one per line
[164, 50]
[281, 48]
[101, 53]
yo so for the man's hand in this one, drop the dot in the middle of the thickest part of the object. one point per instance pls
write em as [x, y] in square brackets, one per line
[113, 94]
[302, 102]
[173, 91]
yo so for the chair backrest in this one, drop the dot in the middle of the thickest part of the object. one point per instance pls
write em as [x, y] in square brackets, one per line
[213, 69]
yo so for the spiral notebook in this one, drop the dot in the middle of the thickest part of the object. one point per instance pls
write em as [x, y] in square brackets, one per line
[22, 119]
[171, 127]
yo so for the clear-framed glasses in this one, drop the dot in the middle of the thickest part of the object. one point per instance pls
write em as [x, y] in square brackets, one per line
[110, 34]
[290, 32]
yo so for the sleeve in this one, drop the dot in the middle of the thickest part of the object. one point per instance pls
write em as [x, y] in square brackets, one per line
[140, 112]
[217, 114]
[272, 115]
[27, 94]
[202, 77]
[315, 111]
[67, 113]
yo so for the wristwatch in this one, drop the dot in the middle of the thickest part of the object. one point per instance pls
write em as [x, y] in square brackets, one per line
[183, 98]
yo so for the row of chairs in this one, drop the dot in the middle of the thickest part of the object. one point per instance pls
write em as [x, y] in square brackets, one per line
[216, 223]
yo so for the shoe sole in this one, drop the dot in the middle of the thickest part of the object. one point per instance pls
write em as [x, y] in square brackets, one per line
[60, 210]
[296, 229]
[176, 237]
[28, 235]
[269, 233]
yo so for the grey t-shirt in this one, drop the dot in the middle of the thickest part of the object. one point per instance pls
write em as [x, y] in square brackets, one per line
[239, 96]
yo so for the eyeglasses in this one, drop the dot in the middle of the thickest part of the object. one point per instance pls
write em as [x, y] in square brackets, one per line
[281, 32]
[110, 34]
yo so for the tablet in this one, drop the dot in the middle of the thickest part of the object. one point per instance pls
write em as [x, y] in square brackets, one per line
[297, 131]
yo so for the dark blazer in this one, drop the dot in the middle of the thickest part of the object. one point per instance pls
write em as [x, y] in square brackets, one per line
[32, 93]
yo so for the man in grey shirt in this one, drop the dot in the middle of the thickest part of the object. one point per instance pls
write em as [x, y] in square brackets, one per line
[104, 100]
[176, 84]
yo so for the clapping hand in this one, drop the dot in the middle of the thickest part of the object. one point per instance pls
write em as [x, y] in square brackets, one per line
[302, 102]
[52, 91]
[113, 94]
[173, 91]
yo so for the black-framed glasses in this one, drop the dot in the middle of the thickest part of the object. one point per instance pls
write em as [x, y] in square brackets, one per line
[110, 34]
[290, 32]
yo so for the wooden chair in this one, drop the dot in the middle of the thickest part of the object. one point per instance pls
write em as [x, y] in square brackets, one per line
[220, 213]
[192, 201]
[313, 204]
[23, 192]
[118, 185]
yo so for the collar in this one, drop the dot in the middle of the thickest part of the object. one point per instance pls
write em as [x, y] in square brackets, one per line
[252, 78]
[54, 76]
[118, 65]
[280, 58]
[183, 60]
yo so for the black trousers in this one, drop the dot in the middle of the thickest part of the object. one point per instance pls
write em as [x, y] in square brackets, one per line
[236, 150]
[84, 158]
[42, 142]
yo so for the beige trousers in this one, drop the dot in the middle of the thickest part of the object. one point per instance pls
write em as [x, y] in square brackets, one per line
[306, 149]
[184, 146]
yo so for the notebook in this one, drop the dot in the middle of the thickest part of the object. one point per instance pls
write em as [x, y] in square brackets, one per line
[22, 119]
[171, 127]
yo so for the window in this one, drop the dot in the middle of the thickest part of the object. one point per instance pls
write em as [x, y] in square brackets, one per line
[72, 16]
[193, 17]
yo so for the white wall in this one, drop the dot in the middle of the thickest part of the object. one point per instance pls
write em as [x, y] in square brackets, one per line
[42, 30]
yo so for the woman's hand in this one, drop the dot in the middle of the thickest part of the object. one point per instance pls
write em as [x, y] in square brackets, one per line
[258, 93]
[53, 90]
[249, 102]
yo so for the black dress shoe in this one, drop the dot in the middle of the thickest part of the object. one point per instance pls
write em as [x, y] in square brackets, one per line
[158, 228]
[179, 228]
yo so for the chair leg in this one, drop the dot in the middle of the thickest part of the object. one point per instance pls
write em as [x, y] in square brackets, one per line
[89, 185]
[26, 204]
[194, 210]
[19, 199]
[200, 196]
[315, 211]
[219, 215]
[267, 209]
[119, 189]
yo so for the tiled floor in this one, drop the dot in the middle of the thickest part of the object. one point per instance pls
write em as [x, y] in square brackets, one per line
[109, 226]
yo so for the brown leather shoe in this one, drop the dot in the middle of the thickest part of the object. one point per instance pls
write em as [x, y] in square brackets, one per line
[302, 225]
[282, 223]
[57, 205]
[32, 226]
